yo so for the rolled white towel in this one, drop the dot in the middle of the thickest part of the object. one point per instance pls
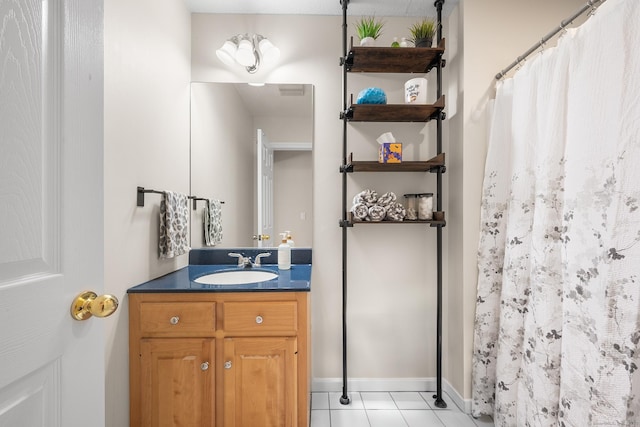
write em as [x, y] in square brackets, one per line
[396, 212]
[387, 199]
[368, 197]
[377, 213]
[360, 212]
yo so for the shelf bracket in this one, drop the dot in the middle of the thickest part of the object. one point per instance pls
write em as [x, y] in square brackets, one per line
[440, 169]
[348, 60]
[345, 223]
[346, 168]
[346, 114]
[435, 115]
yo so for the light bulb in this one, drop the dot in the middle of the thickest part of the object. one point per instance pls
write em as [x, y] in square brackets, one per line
[227, 52]
[268, 52]
[245, 55]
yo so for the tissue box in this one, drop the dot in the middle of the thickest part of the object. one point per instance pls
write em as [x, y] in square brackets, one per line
[390, 152]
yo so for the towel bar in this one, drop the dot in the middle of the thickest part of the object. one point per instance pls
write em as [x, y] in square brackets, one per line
[141, 191]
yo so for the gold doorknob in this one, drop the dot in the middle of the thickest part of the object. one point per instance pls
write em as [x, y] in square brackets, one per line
[88, 304]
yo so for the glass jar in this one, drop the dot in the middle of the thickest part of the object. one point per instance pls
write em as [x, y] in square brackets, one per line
[425, 206]
[411, 205]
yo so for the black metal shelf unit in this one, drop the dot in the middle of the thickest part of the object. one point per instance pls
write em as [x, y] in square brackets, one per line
[393, 60]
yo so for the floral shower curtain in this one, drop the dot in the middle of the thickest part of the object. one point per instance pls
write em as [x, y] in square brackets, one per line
[557, 331]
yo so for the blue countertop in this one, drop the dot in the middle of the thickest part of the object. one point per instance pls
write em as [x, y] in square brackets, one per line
[297, 279]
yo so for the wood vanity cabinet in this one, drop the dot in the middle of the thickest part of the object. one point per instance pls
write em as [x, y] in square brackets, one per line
[219, 359]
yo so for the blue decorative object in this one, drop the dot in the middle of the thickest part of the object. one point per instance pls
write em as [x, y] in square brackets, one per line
[371, 95]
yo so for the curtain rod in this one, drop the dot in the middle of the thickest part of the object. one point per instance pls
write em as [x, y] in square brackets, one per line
[591, 4]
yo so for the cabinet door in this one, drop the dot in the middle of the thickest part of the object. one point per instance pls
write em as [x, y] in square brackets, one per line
[177, 378]
[260, 378]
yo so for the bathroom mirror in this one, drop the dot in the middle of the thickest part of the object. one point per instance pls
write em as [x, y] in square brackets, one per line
[227, 120]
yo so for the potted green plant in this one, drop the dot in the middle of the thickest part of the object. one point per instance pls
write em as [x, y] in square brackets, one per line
[422, 32]
[369, 29]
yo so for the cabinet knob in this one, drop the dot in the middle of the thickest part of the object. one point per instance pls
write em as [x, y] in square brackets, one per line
[259, 319]
[227, 364]
[174, 320]
[204, 366]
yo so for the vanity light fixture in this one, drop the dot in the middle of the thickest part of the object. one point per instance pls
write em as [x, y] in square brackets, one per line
[248, 50]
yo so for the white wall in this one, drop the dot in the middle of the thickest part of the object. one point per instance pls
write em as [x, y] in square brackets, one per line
[292, 195]
[146, 124]
[285, 129]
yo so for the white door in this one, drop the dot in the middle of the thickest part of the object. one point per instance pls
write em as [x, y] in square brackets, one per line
[265, 192]
[51, 212]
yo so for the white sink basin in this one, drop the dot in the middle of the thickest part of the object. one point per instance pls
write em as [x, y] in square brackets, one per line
[236, 277]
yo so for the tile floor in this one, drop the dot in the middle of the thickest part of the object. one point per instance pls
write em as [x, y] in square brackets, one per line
[395, 409]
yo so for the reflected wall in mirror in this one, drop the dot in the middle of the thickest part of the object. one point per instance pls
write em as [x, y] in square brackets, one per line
[225, 119]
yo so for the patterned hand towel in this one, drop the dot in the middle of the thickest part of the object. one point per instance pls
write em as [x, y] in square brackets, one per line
[212, 218]
[368, 197]
[174, 225]
[387, 199]
[396, 212]
[360, 212]
[377, 213]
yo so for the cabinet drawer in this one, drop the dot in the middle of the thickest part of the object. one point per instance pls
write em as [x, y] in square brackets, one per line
[177, 318]
[257, 317]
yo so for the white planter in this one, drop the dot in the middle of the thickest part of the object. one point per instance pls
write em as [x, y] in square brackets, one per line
[368, 41]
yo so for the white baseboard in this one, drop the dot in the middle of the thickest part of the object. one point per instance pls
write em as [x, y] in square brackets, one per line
[392, 384]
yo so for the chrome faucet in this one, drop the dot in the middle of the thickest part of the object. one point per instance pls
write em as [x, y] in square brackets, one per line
[256, 263]
[245, 262]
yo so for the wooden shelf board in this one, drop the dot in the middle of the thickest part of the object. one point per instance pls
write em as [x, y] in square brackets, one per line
[394, 112]
[393, 59]
[409, 166]
[418, 221]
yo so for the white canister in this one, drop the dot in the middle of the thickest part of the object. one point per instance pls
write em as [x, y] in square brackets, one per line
[415, 91]
[425, 206]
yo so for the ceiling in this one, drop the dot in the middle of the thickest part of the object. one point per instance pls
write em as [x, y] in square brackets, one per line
[320, 7]
[286, 100]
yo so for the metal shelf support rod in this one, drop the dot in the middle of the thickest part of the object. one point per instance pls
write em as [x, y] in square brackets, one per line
[439, 402]
[344, 399]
